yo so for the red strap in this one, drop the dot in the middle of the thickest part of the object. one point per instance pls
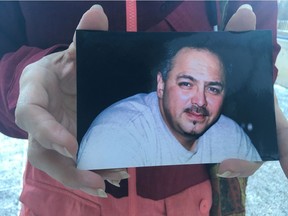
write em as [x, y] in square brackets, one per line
[131, 16]
[131, 26]
[132, 192]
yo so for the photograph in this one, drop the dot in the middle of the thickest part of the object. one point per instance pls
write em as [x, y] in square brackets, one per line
[159, 99]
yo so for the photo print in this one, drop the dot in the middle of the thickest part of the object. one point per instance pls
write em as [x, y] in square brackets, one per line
[157, 99]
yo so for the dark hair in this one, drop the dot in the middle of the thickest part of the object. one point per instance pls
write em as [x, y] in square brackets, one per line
[192, 42]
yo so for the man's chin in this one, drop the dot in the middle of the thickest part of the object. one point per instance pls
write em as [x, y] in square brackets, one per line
[195, 131]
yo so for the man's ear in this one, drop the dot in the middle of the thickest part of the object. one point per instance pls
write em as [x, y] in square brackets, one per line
[160, 85]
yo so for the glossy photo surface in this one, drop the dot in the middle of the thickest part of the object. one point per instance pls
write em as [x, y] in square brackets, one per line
[216, 83]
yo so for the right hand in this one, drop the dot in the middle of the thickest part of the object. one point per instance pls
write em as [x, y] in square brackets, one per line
[46, 109]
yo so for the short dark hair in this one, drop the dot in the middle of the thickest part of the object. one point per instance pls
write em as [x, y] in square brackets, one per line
[174, 46]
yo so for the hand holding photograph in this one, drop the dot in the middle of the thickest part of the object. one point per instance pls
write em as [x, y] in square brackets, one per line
[157, 99]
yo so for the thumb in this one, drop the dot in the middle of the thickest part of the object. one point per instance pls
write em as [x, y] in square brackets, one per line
[93, 19]
[243, 20]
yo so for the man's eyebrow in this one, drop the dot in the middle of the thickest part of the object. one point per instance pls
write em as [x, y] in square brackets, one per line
[212, 83]
[183, 76]
[216, 83]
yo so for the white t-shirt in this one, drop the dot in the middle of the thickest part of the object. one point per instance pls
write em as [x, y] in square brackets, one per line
[132, 133]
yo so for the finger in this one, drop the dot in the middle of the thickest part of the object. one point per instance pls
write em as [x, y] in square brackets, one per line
[231, 168]
[64, 170]
[243, 20]
[93, 19]
[113, 176]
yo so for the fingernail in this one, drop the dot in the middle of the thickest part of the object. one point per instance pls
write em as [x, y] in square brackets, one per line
[114, 182]
[95, 192]
[101, 193]
[228, 174]
[62, 151]
[97, 6]
[124, 175]
[246, 6]
[224, 175]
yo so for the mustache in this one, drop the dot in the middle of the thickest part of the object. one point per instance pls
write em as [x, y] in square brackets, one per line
[197, 109]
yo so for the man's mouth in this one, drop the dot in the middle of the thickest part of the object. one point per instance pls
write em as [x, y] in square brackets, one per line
[197, 111]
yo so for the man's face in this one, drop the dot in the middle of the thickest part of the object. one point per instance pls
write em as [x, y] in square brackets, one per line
[191, 98]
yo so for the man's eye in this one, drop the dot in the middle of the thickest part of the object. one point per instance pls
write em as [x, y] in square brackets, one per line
[214, 90]
[185, 84]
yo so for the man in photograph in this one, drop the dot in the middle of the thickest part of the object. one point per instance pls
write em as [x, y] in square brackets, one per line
[180, 123]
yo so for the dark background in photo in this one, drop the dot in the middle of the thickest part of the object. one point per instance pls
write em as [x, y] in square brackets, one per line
[115, 65]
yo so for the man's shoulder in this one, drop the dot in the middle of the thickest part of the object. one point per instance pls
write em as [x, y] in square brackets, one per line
[225, 121]
[135, 104]
[129, 109]
[226, 125]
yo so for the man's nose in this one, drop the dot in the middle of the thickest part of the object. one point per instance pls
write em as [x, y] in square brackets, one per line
[199, 97]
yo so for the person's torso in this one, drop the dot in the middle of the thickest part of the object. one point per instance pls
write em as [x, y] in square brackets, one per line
[52, 22]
